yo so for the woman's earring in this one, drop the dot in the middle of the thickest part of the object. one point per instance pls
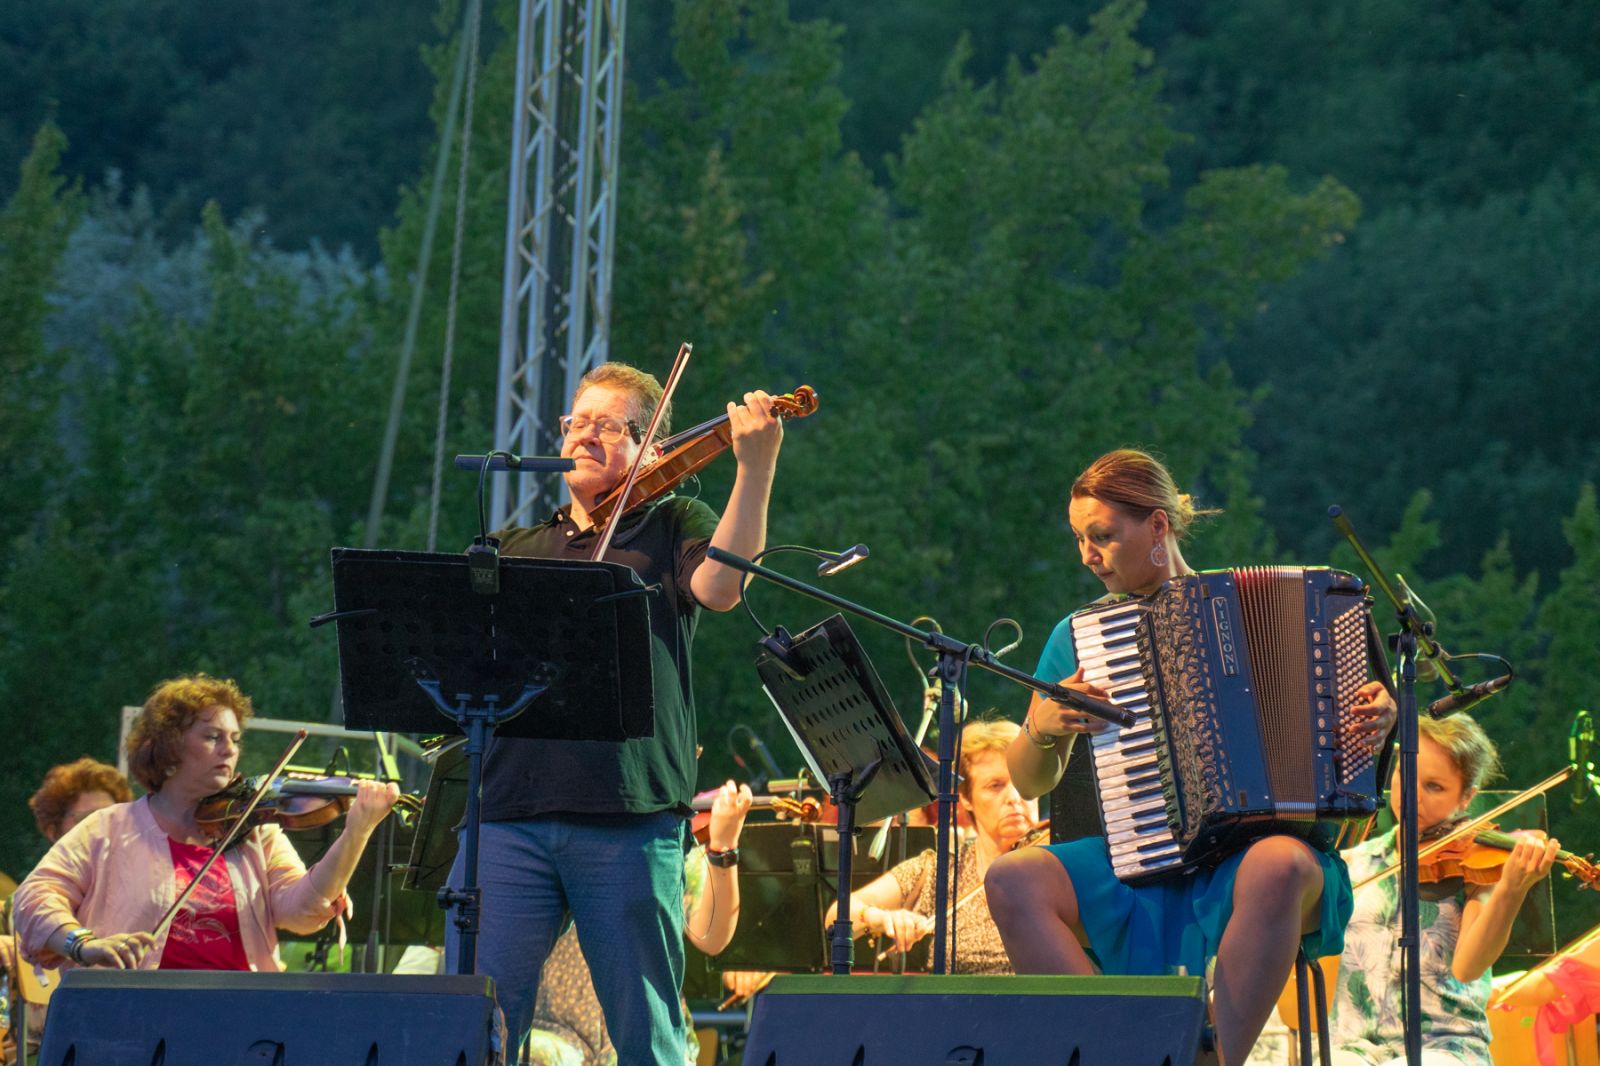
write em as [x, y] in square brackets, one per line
[1158, 555]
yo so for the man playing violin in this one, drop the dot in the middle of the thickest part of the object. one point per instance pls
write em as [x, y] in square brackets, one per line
[596, 831]
[99, 895]
[1464, 927]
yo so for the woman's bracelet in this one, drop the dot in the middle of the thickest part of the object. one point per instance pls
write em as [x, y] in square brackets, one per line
[73, 948]
[1034, 736]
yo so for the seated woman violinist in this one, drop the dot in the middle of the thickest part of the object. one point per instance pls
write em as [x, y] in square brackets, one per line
[99, 895]
[68, 794]
[900, 905]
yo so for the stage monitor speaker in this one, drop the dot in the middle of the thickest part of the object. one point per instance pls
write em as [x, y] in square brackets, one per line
[962, 1020]
[192, 1018]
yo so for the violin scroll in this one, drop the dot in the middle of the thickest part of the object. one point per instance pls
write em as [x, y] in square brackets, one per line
[797, 404]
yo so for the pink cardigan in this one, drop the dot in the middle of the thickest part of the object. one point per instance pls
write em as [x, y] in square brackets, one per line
[113, 873]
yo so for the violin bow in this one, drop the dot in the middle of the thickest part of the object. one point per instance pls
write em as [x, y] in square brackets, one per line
[234, 832]
[682, 360]
[973, 894]
[1469, 826]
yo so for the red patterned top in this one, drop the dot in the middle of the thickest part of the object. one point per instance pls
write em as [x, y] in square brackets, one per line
[205, 932]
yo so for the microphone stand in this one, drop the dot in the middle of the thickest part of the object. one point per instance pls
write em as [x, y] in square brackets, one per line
[954, 657]
[1416, 637]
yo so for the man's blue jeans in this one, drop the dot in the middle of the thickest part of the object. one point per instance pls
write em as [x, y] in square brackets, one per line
[620, 877]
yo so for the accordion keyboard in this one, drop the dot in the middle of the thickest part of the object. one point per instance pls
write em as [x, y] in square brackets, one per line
[1127, 768]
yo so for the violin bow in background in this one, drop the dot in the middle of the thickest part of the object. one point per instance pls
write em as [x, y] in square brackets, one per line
[234, 833]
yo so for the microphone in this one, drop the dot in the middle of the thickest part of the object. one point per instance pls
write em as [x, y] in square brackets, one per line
[1580, 741]
[759, 750]
[767, 761]
[533, 464]
[1468, 697]
[838, 561]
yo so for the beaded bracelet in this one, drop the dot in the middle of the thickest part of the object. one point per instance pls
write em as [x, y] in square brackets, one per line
[1027, 727]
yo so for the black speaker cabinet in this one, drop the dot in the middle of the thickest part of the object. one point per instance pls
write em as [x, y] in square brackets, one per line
[187, 1018]
[959, 1020]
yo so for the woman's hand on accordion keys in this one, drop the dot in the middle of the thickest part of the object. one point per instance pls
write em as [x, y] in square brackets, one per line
[1048, 718]
[1375, 713]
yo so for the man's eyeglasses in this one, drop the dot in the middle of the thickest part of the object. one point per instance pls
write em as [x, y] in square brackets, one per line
[609, 430]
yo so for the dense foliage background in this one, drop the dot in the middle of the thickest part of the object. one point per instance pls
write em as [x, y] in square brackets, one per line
[1341, 254]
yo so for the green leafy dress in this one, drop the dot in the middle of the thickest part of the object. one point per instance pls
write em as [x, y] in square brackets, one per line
[1366, 1018]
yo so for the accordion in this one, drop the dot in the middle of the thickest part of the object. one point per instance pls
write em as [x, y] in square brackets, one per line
[1242, 683]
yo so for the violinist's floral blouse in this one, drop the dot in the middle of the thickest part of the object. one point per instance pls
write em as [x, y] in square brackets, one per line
[1366, 1017]
[113, 872]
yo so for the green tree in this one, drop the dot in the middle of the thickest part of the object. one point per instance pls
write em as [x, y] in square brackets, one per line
[314, 112]
[33, 235]
[218, 454]
[1569, 618]
[1007, 285]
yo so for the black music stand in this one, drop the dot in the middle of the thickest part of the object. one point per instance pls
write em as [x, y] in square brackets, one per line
[443, 808]
[844, 721]
[419, 648]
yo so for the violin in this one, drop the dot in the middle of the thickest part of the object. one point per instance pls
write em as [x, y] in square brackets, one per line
[1479, 858]
[1039, 834]
[686, 454]
[293, 801]
[805, 811]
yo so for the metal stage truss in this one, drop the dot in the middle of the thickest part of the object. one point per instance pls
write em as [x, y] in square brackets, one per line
[560, 230]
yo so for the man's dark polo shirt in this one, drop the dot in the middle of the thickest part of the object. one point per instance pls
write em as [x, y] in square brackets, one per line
[665, 542]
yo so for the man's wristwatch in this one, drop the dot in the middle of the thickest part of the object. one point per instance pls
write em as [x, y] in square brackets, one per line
[722, 858]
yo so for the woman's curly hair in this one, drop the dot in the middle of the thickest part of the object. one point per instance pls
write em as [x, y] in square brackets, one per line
[65, 783]
[156, 738]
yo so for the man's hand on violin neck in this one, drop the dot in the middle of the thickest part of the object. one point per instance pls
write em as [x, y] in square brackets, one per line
[728, 811]
[757, 432]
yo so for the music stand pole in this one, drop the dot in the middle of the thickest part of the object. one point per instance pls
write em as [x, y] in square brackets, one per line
[1410, 896]
[847, 790]
[952, 670]
[476, 722]
[1415, 632]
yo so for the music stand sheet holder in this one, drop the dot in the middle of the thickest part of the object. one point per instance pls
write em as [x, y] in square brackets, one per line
[561, 652]
[432, 849]
[841, 716]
